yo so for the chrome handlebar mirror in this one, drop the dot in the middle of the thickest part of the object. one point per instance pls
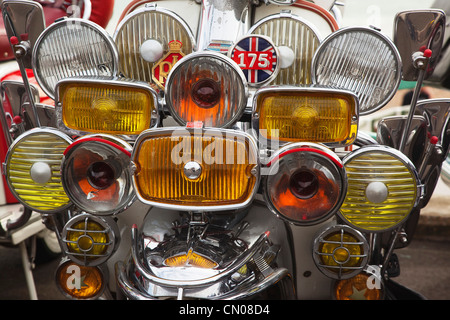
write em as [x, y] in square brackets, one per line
[415, 31]
[25, 21]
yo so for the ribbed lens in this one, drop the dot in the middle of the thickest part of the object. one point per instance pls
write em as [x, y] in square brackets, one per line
[328, 117]
[33, 170]
[226, 172]
[360, 60]
[72, 48]
[104, 106]
[156, 25]
[219, 73]
[298, 38]
[382, 189]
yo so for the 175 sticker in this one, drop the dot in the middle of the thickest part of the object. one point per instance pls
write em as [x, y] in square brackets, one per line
[257, 56]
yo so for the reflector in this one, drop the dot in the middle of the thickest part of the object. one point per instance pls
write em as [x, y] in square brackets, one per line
[305, 183]
[96, 174]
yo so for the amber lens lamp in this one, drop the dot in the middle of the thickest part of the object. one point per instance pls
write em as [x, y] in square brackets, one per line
[310, 115]
[105, 106]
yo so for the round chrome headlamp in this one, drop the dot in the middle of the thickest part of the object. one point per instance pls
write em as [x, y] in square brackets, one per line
[207, 87]
[32, 167]
[143, 38]
[361, 60]
[70, 48]
[89, 240]
[96, 174]
[383, 188]
[296, 40]
[340, 252]
[305, 184]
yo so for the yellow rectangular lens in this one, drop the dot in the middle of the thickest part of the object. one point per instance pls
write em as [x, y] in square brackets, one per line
[106, 107]
[322, 116]
[227, 175]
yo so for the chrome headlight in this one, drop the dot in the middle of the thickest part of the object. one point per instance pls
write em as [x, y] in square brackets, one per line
[361, 60]
[296, 40]
[105, 105]
[89, 240]
[341, 252]
[73, 48]
[195, 169]
[207, 87]
[33, 165]
[318, 115]
[383, 188]
[306, 183]
[143, 39]
[96, 174]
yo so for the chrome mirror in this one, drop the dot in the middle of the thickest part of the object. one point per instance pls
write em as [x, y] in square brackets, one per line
[13, 116]
[415, 31]
[24, 22]
[418, 35]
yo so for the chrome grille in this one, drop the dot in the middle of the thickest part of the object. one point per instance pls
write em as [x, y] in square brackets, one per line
[296, 34]
[144, 24]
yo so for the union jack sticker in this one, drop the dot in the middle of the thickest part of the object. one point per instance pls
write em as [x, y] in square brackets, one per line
[257, 56]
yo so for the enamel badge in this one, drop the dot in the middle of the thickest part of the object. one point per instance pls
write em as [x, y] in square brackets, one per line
[257, 56]
[161, 69]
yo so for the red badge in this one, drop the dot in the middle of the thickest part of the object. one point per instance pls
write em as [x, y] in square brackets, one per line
[162, 68]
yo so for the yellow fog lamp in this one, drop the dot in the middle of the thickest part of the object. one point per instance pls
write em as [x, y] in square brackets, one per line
[105, 105]
[80, 282]
[311, 114]
[32, 168]
[361, 60]
[383, 188]
[90, 240]
[195, 169]
[305, 183]
[96, 174]
[207, 87]
[364, 286]
[340, 252]
[73, 48]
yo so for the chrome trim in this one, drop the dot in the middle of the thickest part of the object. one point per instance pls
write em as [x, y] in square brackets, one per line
[232, 268]
[314, 89]
[211, 55]
[74, 21]
[217, 16]
[114, 81]
[166, 131]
